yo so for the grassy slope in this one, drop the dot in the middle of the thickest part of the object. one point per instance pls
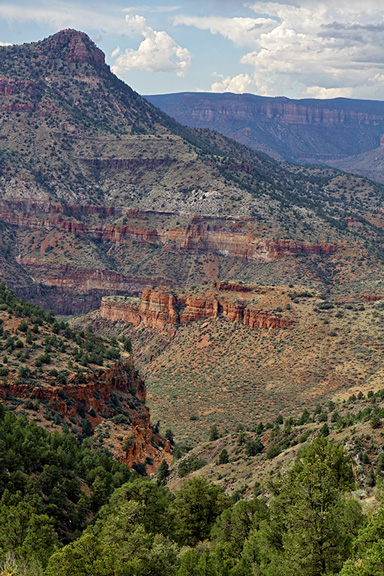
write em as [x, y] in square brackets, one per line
[215, 371]
[349, 422]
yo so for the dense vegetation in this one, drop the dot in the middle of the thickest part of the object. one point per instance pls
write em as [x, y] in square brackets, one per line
[50, 487]
[66, 510]
[40, 340]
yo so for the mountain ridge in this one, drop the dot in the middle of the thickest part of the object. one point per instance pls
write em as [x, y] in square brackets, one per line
[304, 131]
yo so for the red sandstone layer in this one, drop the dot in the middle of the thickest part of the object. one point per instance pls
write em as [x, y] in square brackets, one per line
[95, 394]
[201, 235]
[158, 309]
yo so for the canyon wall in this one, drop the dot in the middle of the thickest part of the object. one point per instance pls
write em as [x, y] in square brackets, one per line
[94, 393]
[160, 310]
[203, 234]
[300, 130]
[57, 274]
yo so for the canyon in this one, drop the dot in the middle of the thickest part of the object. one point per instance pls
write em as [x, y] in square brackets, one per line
[69, 250]
[102, 193]
[304, 131]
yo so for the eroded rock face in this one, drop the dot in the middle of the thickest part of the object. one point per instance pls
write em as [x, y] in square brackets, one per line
[81, 280]
[372, 297]
[128, 163]
[158, 309]
[80, 47]
[94, 393]
[197, 308]
[116, 229]
[291, 129]
[202, 234]
[224, 286]
[8, 86]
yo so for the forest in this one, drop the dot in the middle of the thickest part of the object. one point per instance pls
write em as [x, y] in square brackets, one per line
[68, 510]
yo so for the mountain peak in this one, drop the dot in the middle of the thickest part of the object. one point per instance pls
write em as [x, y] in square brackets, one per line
[78, 44]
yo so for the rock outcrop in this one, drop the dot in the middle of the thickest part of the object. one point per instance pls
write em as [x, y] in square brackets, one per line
[77, 45]
[82, 280]
[371, 297]
[160, 310]
[93, 395]
[224, 286]
[127, 163]
[203, 234]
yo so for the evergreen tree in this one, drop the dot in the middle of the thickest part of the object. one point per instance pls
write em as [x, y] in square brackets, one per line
[312, 523]
[196, 507]
[163, 473]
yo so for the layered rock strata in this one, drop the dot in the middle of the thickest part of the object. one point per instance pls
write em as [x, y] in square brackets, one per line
[203, 234]
[94, 394]
[160, 310]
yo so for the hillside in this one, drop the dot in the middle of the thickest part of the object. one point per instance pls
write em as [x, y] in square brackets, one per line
[75, 381]
[231, 354]
[69, 510]
[244, 461]
[304, 131]
[102, 193]
[369, 164]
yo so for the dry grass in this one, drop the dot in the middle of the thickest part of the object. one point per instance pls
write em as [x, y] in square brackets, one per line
[215, 371]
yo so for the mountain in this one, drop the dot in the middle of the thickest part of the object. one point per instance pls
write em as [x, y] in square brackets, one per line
[304, 131]
[102, 193]
[369, 164]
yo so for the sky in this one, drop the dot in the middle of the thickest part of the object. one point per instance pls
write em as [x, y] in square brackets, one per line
[292, 48]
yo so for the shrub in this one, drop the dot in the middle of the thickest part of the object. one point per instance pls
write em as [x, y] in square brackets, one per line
[213, 433]
[189, 465]
[375, 421]
[253, 447]
[273, 451]
[223, 457]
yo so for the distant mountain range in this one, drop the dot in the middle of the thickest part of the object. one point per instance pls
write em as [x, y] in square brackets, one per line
[340, 132]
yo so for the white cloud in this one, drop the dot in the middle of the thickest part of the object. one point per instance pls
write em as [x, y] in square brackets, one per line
[306, 47]
[116, 52]
[59, 14]
[5, 44]
[237, 84]
[241, 31]
[158, 52]
[155, 9]
[321, 92]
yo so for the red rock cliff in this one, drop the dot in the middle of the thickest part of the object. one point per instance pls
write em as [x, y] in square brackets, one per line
[159, 309]
[201, 235]
[95, 394]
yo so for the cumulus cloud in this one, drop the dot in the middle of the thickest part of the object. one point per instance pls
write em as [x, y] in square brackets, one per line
[237, 84]
[322, 48]
[321, 92]
[5, 44]
[241, 31]
[158, 52]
